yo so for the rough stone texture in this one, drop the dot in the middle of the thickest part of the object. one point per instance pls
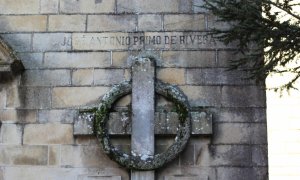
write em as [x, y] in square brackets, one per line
[87, 6]
[77, 60]
[82, 77]
[48, 134]
[111, 23]
[46, 78]
[10, 134]
[172, 75]
[73, 51]
[49, 6]
[64, 97]
[29, 97]
[19, 42]
[23, 23]
[189, 58]
[149, 22]
[57, 116]
[51, 42]
[108, 76]
[67, 23]
[87, 156]
[23, 155]
[20, 7]
[18, 116]
[147, 6]
[143, 110]
[165, 123]
[184, 22]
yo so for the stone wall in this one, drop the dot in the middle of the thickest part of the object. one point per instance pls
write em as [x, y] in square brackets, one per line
[69, 65]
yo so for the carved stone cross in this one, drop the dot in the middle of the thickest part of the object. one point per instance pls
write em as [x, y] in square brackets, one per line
[145, 123]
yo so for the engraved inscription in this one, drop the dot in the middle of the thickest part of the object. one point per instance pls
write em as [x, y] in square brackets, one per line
[147, 40]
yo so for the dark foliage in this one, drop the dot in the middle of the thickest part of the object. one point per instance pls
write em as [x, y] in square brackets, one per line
[267, 32]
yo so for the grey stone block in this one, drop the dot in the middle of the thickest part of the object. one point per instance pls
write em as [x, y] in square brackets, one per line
[19, 42]
[46, 78]
[29, 98]
[233, 133]
[239, 114]
[235, 173]
[201, 123]
[230, 155]
[217, 76]
[243, 96]
[260, 155]
[52, 116]
[51, 42]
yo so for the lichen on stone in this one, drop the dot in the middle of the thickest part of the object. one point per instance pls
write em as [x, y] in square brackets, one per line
[143, 161]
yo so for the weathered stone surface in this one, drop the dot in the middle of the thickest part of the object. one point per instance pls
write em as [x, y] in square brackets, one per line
[23, 155]
[57, 116]
[143, 108]
[217, 76]
[48, 134]
[149, 22]
[201, 123]
[189, 59]
[10, 134]
[203, 95]
[171, 75]
[63, 97]
[165, 123]
[108, 76]
[233, 133]
[49, 6]
[146, 40]
[77, 60]
[260, 155]
[46, 78]
[243, 96]
[144, 6]
[71, 23]
[54, 155]
[34, 23]
[82, 77]
[195, 22]
[86, 156]
[111, 23]
[51, 42]
[29, 97]
[187, 157]
[178, 173]
[19, 42]
[20, 7]
[17, 116]
[61, 173]
[235, 173]
[31, 60]
[243, 114]
[87, 6]
[225, 57]
[234, 155]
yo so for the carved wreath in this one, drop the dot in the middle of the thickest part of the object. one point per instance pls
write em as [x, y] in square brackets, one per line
[142, 161]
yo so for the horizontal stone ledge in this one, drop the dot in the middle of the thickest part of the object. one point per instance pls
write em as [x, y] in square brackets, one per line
[166, 123]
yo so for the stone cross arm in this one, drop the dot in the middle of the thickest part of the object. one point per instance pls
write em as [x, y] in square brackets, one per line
[166, 123]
